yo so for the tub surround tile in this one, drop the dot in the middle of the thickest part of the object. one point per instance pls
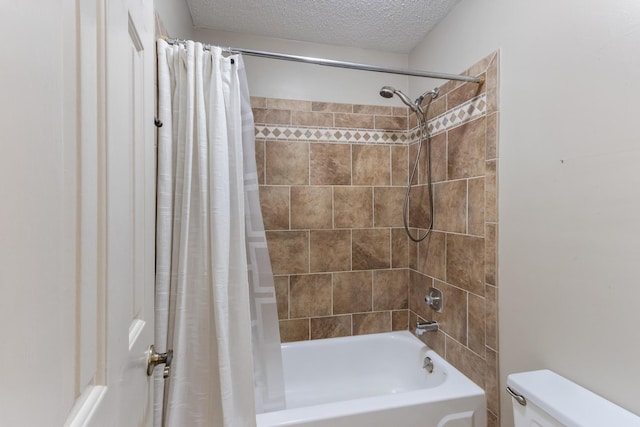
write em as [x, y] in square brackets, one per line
[288, 104]
[308, 118]
[466, 150]
[469, 363]
[353, 207]
[289, 251]
[399, 248]
[436, 107]
[330, 250]
[354, 121]
[491, 382]
[274, 201]
[432, 255]
[453, 321]
[294, 330]
[438, 158]
[492, 419]
[491, 322]
[493, 124]
[465, 93]
[399, 165]
[477, 330]
[390, 289]
[450, 206]
[371, 249]
[331, 107]
[475, 223]
[388, 203]
[311, 207]
[419, 208]
[260, 169]
[352, 292]
[331, 327]
[491, 192]
[373, 109]
[371, 165]
[310, 295]
[419, 285]
[281, 284]
[371, 323]
[287, 163]
[258, 102]
[330, 164]
[465, 262]
[491, 253]
[400, 320]
[391, 122]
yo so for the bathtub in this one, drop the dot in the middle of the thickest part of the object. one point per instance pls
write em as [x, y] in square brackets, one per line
[373, 380]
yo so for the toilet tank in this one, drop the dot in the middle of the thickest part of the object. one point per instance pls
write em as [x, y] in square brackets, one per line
[553, 401]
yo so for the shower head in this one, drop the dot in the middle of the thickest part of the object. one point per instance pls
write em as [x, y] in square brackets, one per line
[388, 92]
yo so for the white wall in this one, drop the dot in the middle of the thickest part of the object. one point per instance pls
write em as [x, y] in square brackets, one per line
[291, 80]
[176, 17]
[569, 194]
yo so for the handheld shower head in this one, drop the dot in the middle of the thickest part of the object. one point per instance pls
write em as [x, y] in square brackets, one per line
[388, 92]
[434, 94]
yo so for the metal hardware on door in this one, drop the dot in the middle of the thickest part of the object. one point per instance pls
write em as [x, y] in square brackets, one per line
[154, 359]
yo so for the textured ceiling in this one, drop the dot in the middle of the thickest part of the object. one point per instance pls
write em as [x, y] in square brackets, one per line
[391, 25]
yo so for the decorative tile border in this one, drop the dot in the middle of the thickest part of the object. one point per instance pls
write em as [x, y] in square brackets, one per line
[468, 111]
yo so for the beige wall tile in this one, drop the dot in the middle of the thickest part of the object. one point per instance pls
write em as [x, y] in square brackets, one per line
[476, 337]
[287, 163]
[371, 249]
[308, 118]
[413, 250]
[399, 165]
[419, 285]
[434, 340]
[289, 251]
[310, 295]
[437, 106]
[390, 289]
[391, 123]
[464, 93]
[330, 164]
[281, 284]
[399, 248]
[354, 121]
[491, 297]
[491, 191]
[258, 102]
[450, 206]
[453, 319]
[492, 419]
[288, 104]
[294, 330]
[465, 262]
[330, 327]
[492, 135]
[419, 206]
[388, 203]
[331, 107]
[438, 157]
[371, 165]
[371, 323]
[311, 207]
[270, 116]
[330, 250]
[431, 256]
[491, 254]
[260, 160]
[492, 86]
[373, 109]
[352, 292]
[466, 150]
[469, 363]
[353, 207]
[492, 389]
[476, 207]
[399, 111]
[274, 201]
[399, 320]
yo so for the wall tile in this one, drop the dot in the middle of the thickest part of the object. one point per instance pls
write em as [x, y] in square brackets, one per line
[419, 285]
[371, 323]
[475, 222]
[469, 363]
[464, 93]
[399, 320]
[437, 106]
[258, 102]
[476, 337]
[288, 104]
[281, 284]
[371, 249]
[450, 206]
[399, 165]
[390, 289]
[390, 123]
[492, 86]
[371, 165]
[307, 118]
[492, 383]
[438, 157]
[354, 121]
[466, 150]
[331, 107]
[399, 111]
[388, 203]
[274, 201]
[491, 298]
[330, 164]
[493, 124]
[491, 254]
[311, 207]
[453, 319]
[352, 292]
[287, 163]
[310, 295]
[330, 250]
[353, 207]
[260, 161]
[373, 109]
[274, 117]
[491, 192]
[419, 206]
[330, 327]
[431, 255]
[399, 248]
[289, 251]
[434, 340]
[465, 262]
[294, 330]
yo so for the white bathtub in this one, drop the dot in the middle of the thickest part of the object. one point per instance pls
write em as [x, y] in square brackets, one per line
[373, 380]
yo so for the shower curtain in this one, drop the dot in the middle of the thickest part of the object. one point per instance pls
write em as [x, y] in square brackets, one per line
[215, 300]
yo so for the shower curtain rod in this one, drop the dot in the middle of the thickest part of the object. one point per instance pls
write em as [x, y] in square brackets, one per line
[342, 64]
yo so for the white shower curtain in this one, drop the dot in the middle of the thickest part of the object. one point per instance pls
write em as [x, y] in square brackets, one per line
[215, 304]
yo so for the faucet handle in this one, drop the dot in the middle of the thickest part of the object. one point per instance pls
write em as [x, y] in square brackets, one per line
[434, 299]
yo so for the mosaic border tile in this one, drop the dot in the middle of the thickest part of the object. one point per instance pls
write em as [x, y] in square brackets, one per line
[468, 111]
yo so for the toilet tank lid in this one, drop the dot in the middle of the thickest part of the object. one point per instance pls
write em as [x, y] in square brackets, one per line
[569, 403]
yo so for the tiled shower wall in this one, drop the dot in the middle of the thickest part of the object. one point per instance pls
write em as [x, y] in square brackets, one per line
[460, 255]
[333, 179]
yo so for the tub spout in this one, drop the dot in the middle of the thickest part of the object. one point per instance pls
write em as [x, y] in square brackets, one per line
[430, 326]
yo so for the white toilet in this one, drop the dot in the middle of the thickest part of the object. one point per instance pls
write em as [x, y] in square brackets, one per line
[545, 399]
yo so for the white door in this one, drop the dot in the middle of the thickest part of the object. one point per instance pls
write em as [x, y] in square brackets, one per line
[77, 199]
